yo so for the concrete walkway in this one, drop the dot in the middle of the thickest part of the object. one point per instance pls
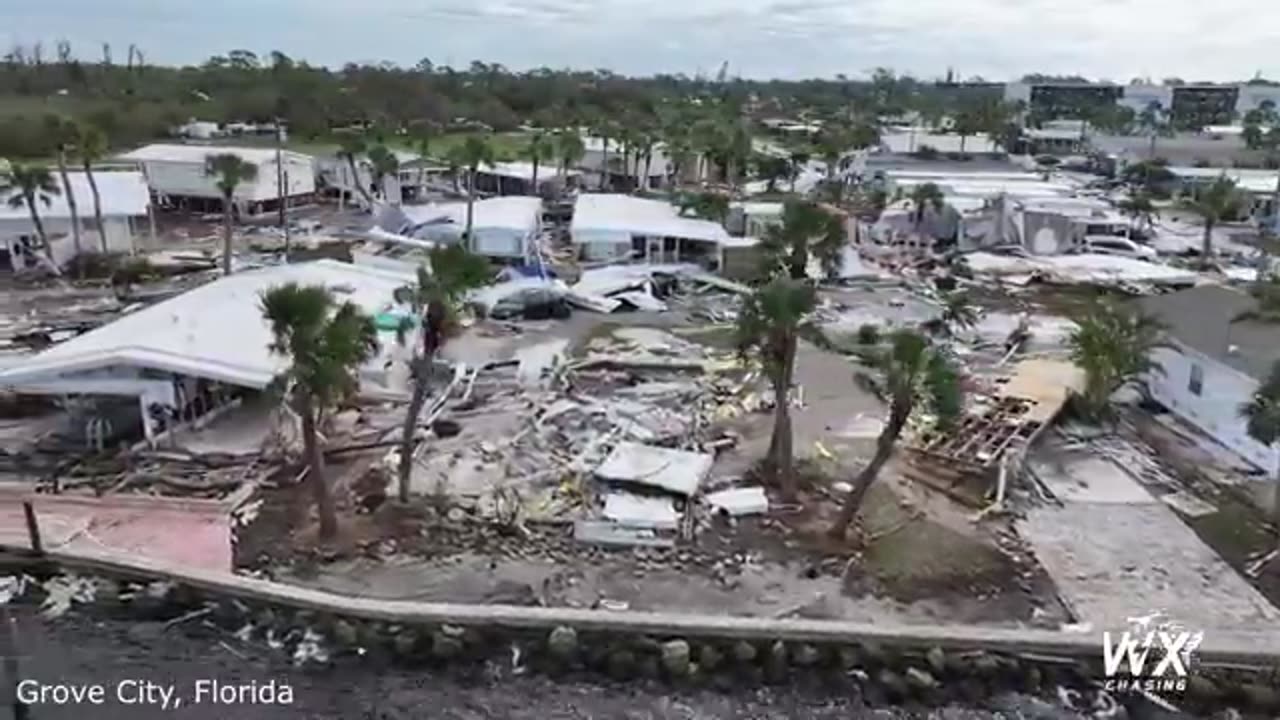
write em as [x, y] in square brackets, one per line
[188, 533]
[1115, 551]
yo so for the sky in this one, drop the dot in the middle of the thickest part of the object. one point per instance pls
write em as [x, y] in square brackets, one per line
[996, 39]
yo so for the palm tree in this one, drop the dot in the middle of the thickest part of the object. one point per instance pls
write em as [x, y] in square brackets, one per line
[91, 147]
[540, 149]
[769, 324]
[1154, 120]
[569, 149]
[772, 169]
[798, 160]
[325, 343]
[1262, 132]
[435, 300]
[353, 149]
[910, 371]
[679, 151]
[30, 185]
[958, 313]
[604, 130]
[472, 153]
[1112, 345]
[1262, 417]
[65, 133]
[807, 230]
[924, 196]
[384, 165]
[229, 170]
[645, 144]
[737, 152]
[424, 138]
[1220, 201]
[705, 205]
[1138, 208]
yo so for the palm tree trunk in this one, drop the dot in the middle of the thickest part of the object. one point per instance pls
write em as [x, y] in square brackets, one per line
[1275, 215]
[471, 208]
[421, 369]
[40, 233]
[71, 202]
[604, 163]
[315, 461]
[1206, 247]
[355, 180]
[783, 466]
[97, 206]
[884, 450]
[226, 233]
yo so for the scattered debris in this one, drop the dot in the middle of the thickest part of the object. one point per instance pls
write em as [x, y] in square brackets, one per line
[677, 471]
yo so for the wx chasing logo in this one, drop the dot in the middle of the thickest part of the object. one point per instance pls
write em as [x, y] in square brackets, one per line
[1158, 656]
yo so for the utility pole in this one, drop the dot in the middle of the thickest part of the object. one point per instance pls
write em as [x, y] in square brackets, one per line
[282, 184]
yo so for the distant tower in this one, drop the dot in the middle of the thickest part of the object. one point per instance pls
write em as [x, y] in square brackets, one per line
[951, 76]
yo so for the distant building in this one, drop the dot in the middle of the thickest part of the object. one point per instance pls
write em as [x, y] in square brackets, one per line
[1191, 106]
[176, 175]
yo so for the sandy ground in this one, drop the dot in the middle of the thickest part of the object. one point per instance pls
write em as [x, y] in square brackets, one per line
[74, 650]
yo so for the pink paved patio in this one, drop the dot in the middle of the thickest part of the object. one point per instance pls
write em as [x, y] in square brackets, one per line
[186, 533]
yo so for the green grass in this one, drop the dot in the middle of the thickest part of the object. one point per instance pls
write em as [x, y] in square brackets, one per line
[506, 146]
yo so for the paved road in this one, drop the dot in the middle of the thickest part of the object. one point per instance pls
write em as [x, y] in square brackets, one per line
[78, 652]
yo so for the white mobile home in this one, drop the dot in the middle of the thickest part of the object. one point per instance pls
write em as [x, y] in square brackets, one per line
[1216, 363]
[502, 227]
[125, 203]
[611, 227]
[176, 176]
[175, 359]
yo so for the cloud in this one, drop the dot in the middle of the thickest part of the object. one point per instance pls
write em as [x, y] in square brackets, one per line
[999, 39]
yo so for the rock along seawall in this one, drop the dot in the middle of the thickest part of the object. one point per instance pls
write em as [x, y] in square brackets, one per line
[931, 665]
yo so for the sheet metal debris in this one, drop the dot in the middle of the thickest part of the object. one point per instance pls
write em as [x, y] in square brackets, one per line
[640, 511]
[597, 532]
[676, 471]
[738, 502]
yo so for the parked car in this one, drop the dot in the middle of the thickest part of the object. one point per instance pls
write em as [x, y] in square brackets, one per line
[531, 304]
[1123, 247]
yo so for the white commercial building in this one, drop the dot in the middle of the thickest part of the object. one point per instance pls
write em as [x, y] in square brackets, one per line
[177, 178]
[608, 227]
[210, 340]
[125, 203]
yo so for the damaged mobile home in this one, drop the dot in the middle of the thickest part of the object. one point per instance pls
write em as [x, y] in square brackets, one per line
[181, 358]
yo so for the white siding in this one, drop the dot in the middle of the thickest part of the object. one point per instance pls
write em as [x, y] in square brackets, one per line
[1216, 409]
[187, 178]
[118, 233]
